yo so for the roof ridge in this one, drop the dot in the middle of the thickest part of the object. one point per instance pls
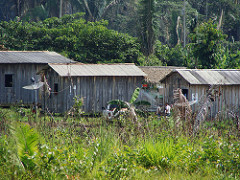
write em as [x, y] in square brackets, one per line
[165, 67]
[79, 63]
[25, 51]
[208, 69]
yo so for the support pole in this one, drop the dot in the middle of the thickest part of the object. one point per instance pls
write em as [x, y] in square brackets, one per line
[36, 104]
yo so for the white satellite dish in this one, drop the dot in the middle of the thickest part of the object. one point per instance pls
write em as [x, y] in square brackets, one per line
[34, 86]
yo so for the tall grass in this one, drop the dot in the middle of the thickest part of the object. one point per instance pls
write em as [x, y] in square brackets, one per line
[90, 148]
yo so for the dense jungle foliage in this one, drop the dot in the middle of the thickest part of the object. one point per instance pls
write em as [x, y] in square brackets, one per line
[195, 34]
[74, 147]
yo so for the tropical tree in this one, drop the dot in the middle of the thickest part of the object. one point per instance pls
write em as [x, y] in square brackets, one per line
[5, 6]
[229, 10]
[230, 60]
[70, 35]
[146, 32]
[206, 45]
[97, 9]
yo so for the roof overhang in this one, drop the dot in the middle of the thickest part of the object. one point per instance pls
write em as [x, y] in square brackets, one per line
[208, 76]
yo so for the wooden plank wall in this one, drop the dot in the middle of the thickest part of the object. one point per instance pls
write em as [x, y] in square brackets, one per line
[172, 83]
[226, 100]
[22, 74]
[96, 92]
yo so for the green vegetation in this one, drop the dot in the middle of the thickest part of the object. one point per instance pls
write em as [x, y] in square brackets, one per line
[207, 46]
[88, 148]
[195, 34]
[147, 17]
[72, 36]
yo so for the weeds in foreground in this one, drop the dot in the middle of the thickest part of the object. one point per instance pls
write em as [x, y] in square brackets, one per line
[89, 148]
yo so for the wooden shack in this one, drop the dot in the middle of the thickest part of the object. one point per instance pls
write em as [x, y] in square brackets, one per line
[195, 83]
[17, 68]
[153, 90]
[96, 84]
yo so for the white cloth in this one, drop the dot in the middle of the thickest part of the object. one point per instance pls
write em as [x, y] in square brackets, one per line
[167, 109]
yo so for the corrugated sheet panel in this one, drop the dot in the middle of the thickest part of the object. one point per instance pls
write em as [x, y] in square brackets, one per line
[32, 57]
[97, 70]
[211, 76]
[188, 76]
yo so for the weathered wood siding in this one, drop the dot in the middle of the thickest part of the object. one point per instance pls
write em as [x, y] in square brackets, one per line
[227, 99]
[21, 74]
[172, 83]
[95, 91]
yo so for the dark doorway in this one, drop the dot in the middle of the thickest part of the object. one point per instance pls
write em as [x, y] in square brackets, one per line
[185, 92]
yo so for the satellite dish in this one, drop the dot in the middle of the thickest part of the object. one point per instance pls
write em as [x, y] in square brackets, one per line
[34, 86]
[32, 79]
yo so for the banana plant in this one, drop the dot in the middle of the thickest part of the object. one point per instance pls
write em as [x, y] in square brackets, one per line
[125, 104]
[128, 105]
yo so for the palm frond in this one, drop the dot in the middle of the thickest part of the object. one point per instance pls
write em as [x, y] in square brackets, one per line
[26, 139]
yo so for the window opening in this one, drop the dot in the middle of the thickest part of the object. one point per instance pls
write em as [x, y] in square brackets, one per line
[55, 88]
[8, 80]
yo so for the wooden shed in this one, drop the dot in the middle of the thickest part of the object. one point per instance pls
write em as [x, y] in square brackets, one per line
[16, 70]
[196, 82]
[96, 84]
[153, 92]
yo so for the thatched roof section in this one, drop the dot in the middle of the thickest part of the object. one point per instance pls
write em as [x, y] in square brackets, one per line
[157, 73]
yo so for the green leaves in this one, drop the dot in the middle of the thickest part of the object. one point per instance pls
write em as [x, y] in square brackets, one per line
[90, 42]
[147, 15]
[206, 45]
[27, 140]
[135, 95]
[170, 56]
[159, 154]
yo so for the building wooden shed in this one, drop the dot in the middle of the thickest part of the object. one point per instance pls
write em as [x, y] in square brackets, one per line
[196, 82]
[96, 84]
[16, 70]
[153, 92]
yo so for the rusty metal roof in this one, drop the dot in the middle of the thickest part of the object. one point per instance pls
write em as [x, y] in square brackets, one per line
[80, 69]
[39, 57]
[210, 76]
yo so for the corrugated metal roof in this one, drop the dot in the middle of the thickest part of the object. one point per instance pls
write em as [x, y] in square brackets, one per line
[40, 57]
[210, 76]
[97, 70]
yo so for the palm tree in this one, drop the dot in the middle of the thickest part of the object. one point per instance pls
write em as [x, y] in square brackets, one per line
[147, 34]
[97, 9]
